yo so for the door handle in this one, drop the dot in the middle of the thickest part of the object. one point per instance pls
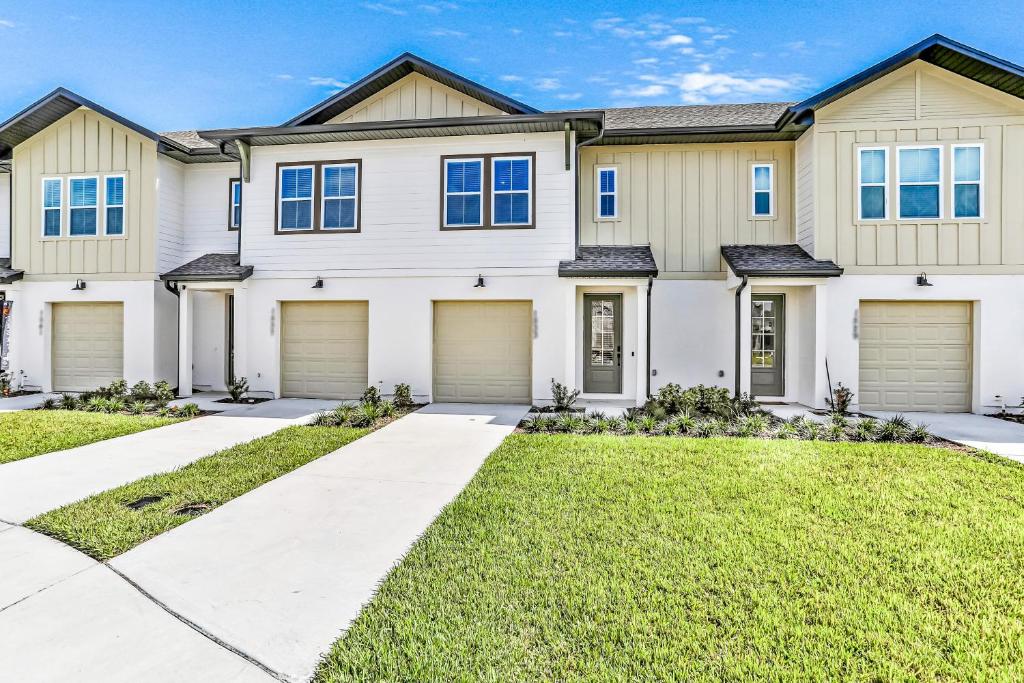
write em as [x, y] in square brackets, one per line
[618, 355]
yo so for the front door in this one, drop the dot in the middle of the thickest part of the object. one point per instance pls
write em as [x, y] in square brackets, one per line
[602, 343]
[768, 338]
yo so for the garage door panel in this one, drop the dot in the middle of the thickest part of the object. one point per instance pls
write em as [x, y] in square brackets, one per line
[482, 351]
[324, 349]
[87, 345]
[915, 355]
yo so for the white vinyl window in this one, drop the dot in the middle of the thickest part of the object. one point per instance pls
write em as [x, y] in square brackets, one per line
[113, 205]
[339, 206]
[235, 214]
[919, 172]
[968, 176]
[53, 202]
[873, 176]
[463, 192]
[83, 196]
[295, 198]
[763, 186]
[608, 192]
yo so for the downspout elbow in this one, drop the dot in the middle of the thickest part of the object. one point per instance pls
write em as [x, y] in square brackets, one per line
[739, 327]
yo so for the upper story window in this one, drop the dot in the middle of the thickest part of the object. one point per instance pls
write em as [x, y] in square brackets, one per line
[234, 203]
[873, 171]
[340, 191]
[511, 191]
[463, 192]
[508, 201]
[763, 184]
[53, 191]
[114, 203]
[919, 170]
[318, 196]
[84, 205]
[967, 181]
[607, 192]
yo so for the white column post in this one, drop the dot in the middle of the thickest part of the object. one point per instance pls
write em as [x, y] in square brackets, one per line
[184, 341]
[642, 362]
[241, 331]
[820, 346]
[745, 341]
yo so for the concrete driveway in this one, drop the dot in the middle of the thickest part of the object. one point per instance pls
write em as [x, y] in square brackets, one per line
[977, 431]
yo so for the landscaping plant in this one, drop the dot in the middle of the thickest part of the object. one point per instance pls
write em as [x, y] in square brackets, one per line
[403, 396]
[563, 397]
[238, 388]
[840, 400]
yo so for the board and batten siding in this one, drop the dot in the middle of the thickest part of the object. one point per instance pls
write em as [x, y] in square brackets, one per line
[415, 97]
[921, 104]
[400, 213]
[686, 201]
[85, 143]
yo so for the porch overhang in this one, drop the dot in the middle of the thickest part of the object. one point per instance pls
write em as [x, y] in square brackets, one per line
[9, 274]
[611, 262]
[776, 261]
[210, 268]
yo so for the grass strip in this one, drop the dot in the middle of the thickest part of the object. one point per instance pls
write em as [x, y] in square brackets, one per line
[104, 525]
[26, 433]
[614, 558]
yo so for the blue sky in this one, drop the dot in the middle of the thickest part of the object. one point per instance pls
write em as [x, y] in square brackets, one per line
[189, 64]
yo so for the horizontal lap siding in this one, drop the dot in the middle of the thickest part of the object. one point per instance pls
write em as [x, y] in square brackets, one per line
[170, 234]
[206, 210]
[401, 211]
[686, 201]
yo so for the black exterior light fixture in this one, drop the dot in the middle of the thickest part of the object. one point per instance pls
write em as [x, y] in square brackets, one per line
[479, 281]
[319, 284]
[922, 280]
[79, 286]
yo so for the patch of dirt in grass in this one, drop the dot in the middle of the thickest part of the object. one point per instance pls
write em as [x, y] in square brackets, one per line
[192, 509]
[144, 501]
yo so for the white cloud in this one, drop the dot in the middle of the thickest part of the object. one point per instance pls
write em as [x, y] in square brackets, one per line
[707, 85]
[381, 7]
[510, 78]
[569, 96]
[563, 34]
[515, 31]
[437, 7]
[646, 61]
[447, 33]
[617, 27]
[548, 84]
[796, 46]
[326, 82]
[284, 77]
[689, 20]
[6, 23]
[674, 40]
[641, 91]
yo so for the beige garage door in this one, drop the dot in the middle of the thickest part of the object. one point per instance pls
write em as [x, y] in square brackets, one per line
[915, 355]
[88, 345]
[482, 351]
[324, 348]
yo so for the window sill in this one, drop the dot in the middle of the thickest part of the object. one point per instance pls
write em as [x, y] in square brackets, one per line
[457, 228]
[316, 231]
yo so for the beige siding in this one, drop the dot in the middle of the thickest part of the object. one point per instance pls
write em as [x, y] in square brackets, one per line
[921, 104]
[85, 143]
[686, 201]
[415, 97]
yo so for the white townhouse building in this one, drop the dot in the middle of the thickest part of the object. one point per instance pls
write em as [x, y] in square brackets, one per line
[419, 227]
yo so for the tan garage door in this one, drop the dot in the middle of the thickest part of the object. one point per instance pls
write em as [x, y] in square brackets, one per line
[88, 345]
[915, 355]
[482, 351]
[324, 348]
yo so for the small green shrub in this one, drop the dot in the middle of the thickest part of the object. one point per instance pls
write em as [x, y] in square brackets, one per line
[137, 407]
[648, 424]
[189, 410]
[364, 415]
[865, 429]
[371, 396]
[616, 425]
[752, 426]
[683, 424]
[786, 431]
[895, 430]
[387, 409]
[919, 434]
[115, 405]
[49, 404]
[238, 388]
[325, 418]
[142, 391]
[117, 389]
[96, 404]
[563, 397]
[840, 400]
[833, 432]
[630, 426]
[403, 396]
[162, 394]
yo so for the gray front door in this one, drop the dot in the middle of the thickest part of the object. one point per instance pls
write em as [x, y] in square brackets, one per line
[768, 339]
[602, 343]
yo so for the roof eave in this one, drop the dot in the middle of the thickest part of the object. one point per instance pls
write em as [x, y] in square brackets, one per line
[237, 277]
[754, 272]
[604, 273]
[13, 277]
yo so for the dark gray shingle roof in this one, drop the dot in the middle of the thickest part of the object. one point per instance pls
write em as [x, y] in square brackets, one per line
[8, 274]
[610, 262]
[776, 260]
[210, 267]
[190, 139]
[695, 116]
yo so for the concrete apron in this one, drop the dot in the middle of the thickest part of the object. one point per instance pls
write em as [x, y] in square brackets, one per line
[35, 485]
[977, 431]
[279, 573]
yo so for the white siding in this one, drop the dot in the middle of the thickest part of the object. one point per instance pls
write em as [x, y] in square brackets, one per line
[5, 215]
[206, 210]
[170, 236]
[400, 213]
[805, 192]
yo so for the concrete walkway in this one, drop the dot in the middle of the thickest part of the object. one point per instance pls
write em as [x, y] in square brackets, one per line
[35, 485]
[66, 617]
[279, 573]
[977, 431]
[27, 402]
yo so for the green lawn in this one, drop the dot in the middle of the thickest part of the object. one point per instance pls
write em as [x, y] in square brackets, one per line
[609, 558]
[34, 432]
[104, 526]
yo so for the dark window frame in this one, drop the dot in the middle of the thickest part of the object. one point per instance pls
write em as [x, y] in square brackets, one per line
[231, 204]
[318, 197]
[487, 191]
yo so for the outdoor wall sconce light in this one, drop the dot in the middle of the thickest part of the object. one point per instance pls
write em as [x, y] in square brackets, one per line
[922, 280]
[479, 281]
[79, 286]
[319, 284]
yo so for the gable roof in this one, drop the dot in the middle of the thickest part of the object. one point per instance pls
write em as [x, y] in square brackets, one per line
[937, 49]
[50, 109]
[395, 70]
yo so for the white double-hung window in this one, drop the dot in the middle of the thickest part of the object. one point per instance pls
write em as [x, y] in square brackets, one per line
[83, 195]
[339, 210]
[919, 172]
[510, 200]
[607, 192]
[873, 172]
[763, 183]
[295, 200]
[967, 181]
[113, 203]
[463, 192]
[53, 202]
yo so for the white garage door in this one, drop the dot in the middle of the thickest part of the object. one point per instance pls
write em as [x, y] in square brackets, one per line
[324, 348]
[915, 355]
[482, 351]
[88, 345]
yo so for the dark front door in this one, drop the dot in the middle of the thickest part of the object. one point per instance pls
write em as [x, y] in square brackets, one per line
[231, 338]
[768, 339]
[602, 343]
